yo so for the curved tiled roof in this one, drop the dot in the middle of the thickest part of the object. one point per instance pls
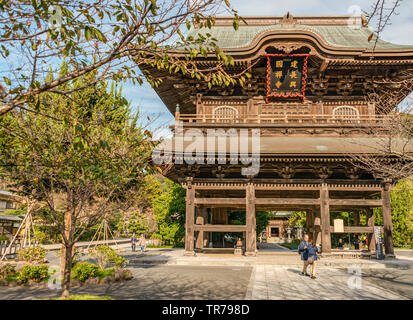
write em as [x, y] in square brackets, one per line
[336, 35]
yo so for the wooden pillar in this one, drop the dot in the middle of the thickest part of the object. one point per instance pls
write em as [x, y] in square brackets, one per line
[387, 220]
[310, 224]
[189, 221]
[201, 220]
[317, 225]
[370, 223]
[325, 219]
[251, 236]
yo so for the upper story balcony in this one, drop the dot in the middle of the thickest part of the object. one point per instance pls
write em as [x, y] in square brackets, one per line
[282, 119]
[322, 119]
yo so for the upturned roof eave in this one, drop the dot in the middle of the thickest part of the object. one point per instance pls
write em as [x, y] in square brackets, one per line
[307, 35]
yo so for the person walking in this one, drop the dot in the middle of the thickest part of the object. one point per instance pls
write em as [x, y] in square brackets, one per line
[312, 258]
[133, 242]
[303, 250]
[142, 243]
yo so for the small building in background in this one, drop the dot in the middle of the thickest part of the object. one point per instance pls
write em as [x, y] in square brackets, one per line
[276, 230]
[9, 224]
[8, 200]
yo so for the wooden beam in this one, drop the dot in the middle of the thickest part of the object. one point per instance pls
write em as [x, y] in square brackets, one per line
[258, 201]
[220, 201]
[277, 184]
[220, 228]
[387, 221]
[356, 202]
[324, 66]
[354, 230]
[286, 201]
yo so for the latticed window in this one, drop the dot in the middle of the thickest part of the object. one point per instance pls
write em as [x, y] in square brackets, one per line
[225, 114]
[346, 113]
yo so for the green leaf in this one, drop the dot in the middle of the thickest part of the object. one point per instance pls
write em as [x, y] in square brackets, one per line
[88, 33]
[7, 81]
[100, 35]
[235, 24]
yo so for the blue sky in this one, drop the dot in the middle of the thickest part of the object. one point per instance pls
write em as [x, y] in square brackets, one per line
[400, 31]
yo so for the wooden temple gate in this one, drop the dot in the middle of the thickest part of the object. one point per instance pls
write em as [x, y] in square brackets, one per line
[309, 92]
[318, 210]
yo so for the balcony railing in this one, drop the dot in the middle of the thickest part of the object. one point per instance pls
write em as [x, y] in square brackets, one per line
[282, 119]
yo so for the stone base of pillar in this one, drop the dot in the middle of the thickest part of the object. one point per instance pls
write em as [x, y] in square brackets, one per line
[238, 251]
[251, 253]
[389, 257]
[189, 254]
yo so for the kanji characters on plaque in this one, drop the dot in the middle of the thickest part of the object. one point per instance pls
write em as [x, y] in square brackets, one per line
[286, 75]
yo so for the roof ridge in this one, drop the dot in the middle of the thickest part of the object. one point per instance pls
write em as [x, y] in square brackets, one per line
[290, 19]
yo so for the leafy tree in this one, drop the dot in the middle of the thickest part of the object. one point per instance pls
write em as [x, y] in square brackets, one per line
[137, 224]
[169, 209]
[109, 38]
[87, 160]
[262, 220]
[402, 213]
[299, 219]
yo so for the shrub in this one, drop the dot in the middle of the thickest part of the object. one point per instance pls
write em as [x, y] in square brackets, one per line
[296, 241]
[32, 254]
[7, 271]
[36, 273]
[179, 244]
[85, 270]
[4, 238]
[105, 273]
[42, 237]
[105, 255]
[156, 236]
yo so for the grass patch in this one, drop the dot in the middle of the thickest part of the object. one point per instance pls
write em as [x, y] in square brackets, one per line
[84, 297]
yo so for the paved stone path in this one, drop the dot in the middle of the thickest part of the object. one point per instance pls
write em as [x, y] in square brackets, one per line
[266, 282]
[269, 282]
[157, 282]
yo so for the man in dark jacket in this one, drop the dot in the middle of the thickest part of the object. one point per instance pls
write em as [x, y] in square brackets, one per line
[303, 249]
[133, 242]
